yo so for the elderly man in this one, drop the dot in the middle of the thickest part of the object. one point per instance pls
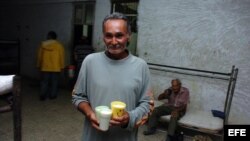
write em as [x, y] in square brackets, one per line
[178, 98]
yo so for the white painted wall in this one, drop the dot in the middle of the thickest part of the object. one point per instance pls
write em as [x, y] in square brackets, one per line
[102, 8]
[207, 34]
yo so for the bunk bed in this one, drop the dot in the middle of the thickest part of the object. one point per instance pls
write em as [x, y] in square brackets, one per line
[206, 122]
[10, 83]
[10, 91]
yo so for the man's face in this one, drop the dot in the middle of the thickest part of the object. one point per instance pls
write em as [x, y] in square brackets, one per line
[176, 87]
[115, 36]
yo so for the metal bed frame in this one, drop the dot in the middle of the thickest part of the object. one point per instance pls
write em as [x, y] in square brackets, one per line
[13, 99]
[17, 118]
[231, 77]
[15, 105]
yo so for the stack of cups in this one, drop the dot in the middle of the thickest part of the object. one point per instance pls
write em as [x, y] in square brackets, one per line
[103, 115]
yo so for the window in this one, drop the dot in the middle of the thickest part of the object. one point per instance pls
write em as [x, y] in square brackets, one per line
[129, 8]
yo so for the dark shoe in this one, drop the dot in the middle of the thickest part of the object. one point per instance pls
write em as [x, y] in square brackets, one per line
[168, 138]
[171, 138]
[149, 132]
[180, 136]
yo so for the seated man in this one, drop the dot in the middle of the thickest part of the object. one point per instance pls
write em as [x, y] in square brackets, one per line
[178, 98]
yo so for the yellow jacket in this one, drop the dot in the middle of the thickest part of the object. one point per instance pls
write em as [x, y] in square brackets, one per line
[51, 56]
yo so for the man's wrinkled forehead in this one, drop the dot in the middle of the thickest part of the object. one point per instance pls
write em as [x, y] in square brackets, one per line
[115, 26]
[118, 21]
[122, 18]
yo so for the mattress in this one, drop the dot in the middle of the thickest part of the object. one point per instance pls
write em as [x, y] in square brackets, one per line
[6, 84]
[197, 119]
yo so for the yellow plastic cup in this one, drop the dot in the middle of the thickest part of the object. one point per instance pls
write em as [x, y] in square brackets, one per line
[117, 108]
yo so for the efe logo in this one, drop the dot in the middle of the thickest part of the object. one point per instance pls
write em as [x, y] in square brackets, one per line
[236, 132]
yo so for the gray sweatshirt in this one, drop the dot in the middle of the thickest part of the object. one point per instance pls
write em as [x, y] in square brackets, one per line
[102, 80]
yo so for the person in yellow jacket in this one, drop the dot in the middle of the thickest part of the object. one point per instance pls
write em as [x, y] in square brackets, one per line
[50, 62]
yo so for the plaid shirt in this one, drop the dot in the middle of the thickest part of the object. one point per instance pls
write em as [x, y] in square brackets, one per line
[179, 99]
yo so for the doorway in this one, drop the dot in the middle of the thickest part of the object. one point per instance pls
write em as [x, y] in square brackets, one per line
[129, 8]
[83, 23]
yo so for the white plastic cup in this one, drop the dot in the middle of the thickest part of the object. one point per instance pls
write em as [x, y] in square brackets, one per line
[105, 116]
[98, 110]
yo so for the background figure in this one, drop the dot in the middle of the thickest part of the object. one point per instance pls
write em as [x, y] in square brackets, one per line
[114, 75]
[178, 98]
[50, 62]
[81, 50]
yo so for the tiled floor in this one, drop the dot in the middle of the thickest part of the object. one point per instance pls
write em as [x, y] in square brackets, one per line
[52, 120]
